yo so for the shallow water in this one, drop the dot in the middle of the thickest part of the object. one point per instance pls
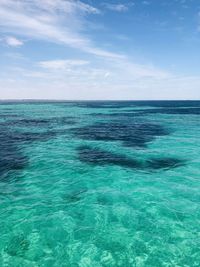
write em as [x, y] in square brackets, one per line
[105, 184]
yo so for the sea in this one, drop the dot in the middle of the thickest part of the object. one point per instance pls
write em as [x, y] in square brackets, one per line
[100, 183]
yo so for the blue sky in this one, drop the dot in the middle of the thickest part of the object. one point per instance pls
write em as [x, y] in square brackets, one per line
[89, 49]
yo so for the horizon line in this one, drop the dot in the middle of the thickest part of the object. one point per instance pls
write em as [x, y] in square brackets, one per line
[90, 100]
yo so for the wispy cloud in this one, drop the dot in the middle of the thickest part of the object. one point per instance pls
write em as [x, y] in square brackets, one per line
[57, 21]
[117, 7]
[61, 64]
[13, 41]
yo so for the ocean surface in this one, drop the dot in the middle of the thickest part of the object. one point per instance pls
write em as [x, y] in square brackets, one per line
[100, 184]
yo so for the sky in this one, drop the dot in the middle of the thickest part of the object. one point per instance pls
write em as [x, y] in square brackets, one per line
[100, 50]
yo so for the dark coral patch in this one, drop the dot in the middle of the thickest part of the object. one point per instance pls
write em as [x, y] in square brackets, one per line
[130, 134]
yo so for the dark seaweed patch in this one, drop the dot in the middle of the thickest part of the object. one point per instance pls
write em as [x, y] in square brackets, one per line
[11, 148]
[105, 104]
[8, 115]
[176, 111]
[130, 134]
[28, 122]
[12, 139]
[141, 112]
[11, 142]
[164, 163]
[168, 104]
[108, 104]
[27, 137]
[98, 157]
[12, 160]
[40, 122]
[129, 104]
[11, 157]
[117, 115]
[170, 111]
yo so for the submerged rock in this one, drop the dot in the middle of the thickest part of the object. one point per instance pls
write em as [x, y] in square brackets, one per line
[17, 246]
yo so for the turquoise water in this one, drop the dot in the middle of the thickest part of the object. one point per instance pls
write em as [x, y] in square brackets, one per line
[104, 184]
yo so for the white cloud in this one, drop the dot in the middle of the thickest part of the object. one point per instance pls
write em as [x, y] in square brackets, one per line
[117, 7]
[132, 70]
[62, 64]
[66, 6]
[120, 70]
[12, 41]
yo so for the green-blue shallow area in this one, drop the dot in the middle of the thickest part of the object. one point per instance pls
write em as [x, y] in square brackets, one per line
[104, 184]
